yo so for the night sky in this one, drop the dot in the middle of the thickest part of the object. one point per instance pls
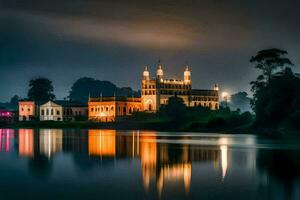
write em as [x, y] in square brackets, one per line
[113, 40]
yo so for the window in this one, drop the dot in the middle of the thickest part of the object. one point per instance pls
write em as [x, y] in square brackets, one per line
[47, 111]
[92, 109]
[51, 111]
[106, 108]
[28, 109]
[43, 112]
[57, 112]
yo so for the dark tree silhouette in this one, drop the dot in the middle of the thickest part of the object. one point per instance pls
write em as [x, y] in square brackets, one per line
[279, 101]
[269, 60]
[14, 100]
[85, 86]
[276, 96]
[40, 89]
[175, 108]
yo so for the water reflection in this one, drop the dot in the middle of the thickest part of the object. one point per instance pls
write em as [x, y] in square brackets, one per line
[5, 136]
[50, 141]
[165, 165]
[26, 142]
[102, 143]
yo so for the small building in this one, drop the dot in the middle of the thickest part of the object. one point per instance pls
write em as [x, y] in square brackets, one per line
[73, 110]
[108, 109]
[62, 110]
[51, 111]
[6, 115]
[28, 110]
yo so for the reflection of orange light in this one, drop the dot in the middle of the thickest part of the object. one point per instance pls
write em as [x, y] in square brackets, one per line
[26, 142]
[175, 173]
[102, 142]
[148, 153]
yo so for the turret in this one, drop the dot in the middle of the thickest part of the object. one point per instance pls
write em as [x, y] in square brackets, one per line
[159, 73]
[216, 87]
[187, 75]
[146, 74]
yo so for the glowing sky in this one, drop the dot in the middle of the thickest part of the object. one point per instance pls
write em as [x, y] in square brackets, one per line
[112, 40]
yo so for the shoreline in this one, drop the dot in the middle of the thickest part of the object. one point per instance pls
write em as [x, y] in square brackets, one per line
[273, 133]
[129, 125]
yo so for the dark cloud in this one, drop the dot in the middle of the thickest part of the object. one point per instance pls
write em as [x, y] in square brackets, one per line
[113, 40]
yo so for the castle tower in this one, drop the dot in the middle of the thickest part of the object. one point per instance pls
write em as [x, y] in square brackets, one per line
[146, 74]
[159, 73]
[187, 75]
[216, 87]
[149, 91]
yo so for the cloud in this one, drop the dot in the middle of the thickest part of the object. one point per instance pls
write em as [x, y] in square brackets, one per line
[138, 33]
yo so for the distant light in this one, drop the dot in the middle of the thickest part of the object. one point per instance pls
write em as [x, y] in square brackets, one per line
[225, 95]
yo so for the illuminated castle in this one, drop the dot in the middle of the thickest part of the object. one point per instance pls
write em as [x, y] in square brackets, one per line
[156, 91]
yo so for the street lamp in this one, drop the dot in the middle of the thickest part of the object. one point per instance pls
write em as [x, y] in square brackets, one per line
[225, 97]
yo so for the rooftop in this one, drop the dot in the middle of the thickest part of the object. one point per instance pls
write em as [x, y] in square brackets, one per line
[106, 99]
[197, 92]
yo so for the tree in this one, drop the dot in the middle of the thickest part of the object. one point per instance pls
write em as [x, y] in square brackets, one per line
[276, 96]
[14, 100]
[40, 89]
[279, 101]
[175, 109]
[269, 60]
[83, 87]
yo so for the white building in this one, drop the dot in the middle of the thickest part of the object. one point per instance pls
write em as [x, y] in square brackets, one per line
[51, 111]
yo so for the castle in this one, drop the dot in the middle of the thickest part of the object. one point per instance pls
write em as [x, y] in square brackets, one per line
[155, 92]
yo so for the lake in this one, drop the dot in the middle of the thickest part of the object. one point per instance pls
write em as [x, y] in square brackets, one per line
[110, 164]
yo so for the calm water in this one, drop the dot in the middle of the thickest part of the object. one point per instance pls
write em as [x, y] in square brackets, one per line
[109, 164]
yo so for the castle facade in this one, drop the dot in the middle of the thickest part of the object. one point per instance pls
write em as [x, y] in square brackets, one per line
[156, 91]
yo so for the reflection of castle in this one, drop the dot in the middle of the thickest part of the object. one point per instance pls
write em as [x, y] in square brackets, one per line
[162, 164]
